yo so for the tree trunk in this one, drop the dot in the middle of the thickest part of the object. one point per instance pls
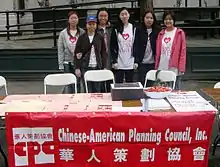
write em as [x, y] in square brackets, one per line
[145, 4]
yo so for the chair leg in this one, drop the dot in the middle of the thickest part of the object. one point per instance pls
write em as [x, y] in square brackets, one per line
[86, 85]
[215, 143]
[6, 91]
[45, 89]
[4, 156]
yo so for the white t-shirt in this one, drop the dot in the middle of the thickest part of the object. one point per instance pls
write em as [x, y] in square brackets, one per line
[72, 40]
[92, 60]
[148, 55]
[167, 43]
[125, 44]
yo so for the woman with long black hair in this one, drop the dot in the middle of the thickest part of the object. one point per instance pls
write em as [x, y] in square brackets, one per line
[145, 44]
[121, 45]
[104, 28]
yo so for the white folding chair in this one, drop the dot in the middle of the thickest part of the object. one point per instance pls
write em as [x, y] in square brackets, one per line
[3, 84]
[217, 85]
[60, 80]
[98, 76]
[165, 76]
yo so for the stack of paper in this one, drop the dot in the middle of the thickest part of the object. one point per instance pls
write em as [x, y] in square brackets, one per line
[189, 101]
[158, 104]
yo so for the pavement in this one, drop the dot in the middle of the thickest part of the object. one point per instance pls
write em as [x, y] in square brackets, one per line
[31, 41]
[36, 87]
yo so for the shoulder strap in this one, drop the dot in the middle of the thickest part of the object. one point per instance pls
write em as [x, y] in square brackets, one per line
[156, 74]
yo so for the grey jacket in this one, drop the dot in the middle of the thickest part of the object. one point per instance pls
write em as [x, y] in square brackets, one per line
[65, 49]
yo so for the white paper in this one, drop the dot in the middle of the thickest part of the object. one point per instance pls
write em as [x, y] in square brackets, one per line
[153, 104]
[189, 101]
[158, 104]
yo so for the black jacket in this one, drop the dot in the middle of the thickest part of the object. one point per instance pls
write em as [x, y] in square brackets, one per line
[83, 46]
[140, 42]
[101, 32]
[114, 45]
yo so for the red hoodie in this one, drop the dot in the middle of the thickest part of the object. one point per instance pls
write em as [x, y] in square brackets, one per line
[178, 52]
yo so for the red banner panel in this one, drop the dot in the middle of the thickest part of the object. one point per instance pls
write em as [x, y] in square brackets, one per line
[109, 139]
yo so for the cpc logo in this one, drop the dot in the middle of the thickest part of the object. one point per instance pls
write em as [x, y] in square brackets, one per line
[33, 145]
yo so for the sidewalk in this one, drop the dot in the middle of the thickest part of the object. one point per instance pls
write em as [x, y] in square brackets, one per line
[15, 43]
[36, 87]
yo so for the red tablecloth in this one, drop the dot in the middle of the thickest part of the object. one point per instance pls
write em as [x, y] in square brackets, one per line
[97, 139]
[39, 135]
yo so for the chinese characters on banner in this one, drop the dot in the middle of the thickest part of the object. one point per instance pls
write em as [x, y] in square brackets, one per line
[109, 139]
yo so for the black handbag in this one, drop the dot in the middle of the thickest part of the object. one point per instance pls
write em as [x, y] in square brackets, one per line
[158, 81]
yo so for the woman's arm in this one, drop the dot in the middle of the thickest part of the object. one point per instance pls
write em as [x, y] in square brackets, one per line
[103, 53]
[136, 46]
[114, 46]
[77, 62]
[182, 59]
[60, 48]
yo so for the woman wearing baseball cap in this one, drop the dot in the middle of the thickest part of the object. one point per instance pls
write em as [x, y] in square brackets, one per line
[90, 52]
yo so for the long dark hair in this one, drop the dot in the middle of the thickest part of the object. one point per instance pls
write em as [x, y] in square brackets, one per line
[155, 26]
[100, 10]
[120, 25]
[68, 25]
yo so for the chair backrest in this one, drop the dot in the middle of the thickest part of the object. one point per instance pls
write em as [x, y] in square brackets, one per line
[3, 83]
[98, 76]
[217, 85]
[165, 76]
[60, 80]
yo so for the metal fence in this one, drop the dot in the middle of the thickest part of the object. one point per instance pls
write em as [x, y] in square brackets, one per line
[213, 10]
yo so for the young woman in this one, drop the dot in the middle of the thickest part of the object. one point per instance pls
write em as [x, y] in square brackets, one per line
[145, 45]
[171, 48]
[90, 53]
[104, 28]
[66, 46]
[121, 45]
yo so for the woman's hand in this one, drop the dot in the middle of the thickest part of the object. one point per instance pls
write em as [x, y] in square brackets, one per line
[78, 73]
[135, 66]
[115, 66]
[79, 55]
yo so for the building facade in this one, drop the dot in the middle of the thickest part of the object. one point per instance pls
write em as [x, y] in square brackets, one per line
[28, 4]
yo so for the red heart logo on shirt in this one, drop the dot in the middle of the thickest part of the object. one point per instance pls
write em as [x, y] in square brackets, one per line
[167, 40]
[73, 39]
[125, 36]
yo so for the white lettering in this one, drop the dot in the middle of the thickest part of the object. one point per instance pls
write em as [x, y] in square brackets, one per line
[66, 136]
[201, 135]
[178, 136]
[150, 136]
[99, 137]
